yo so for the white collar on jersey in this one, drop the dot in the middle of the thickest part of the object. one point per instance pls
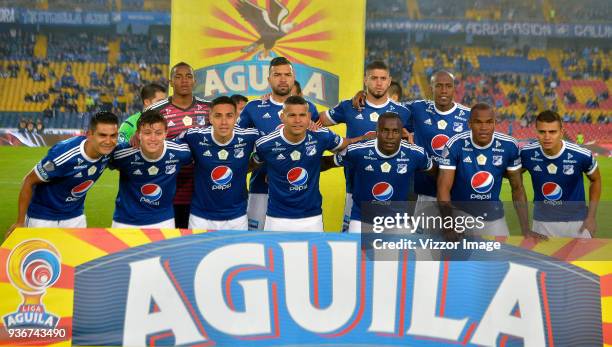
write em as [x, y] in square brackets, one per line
[275, 102]
[483, 147]
[378, 106]
[82, 150]
[212, 134]
[445, 113]
[384, 155]
[556, 155]
[282, 135]
[157, 159]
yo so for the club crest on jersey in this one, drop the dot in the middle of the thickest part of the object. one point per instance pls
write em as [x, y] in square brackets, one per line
[552, 191]
[457, 127]
[153, 170]
[402, 168]
[482, 182]
[497, 160]
[80, 190]
[382, 191]
[568, 169]
[552, 168]
[238, 153]
[92, 170]
[437, 144]
[221, 176]
[374, 116]
[442, 124]
[170, 169]
[151, 192]
[311, 150]
[222, 154]
[297, 178]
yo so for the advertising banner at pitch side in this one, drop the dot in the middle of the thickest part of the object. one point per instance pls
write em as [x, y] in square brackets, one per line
[89, 287]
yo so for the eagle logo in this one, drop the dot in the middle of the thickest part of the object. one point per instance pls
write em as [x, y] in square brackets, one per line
[269, 23]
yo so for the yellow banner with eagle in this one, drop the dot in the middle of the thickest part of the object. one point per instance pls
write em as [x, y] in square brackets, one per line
[229, 43]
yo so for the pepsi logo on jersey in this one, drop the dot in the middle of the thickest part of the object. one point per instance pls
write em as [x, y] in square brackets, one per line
[481, 183]
[437, 143]
[382, 191]
[552, 193]
[222, 177]
[150, 193]
[297, 178]
[80, 190]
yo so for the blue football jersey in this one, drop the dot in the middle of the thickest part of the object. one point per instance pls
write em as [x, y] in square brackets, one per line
[380, 177]
[294, 170]
[220, 172]
[361, 122]
[264, 115]
[558, 186]
[479, 171]
[147, 186]
[68, 173]
[432, 129]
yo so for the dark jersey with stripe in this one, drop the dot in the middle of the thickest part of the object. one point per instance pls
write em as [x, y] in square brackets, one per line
[180, 119]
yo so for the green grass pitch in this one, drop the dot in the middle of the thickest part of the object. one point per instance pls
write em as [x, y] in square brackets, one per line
[15, 162]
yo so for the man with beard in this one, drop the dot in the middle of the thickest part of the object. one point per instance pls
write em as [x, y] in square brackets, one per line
[264, 114]
[359, 122]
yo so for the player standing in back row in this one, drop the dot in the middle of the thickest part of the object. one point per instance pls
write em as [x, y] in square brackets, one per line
[182, 111]
[359, 122]
[556, 168]
[265, 115]
[435, 121]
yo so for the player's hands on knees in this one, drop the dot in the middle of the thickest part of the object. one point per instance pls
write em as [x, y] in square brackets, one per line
[359, 100]
[12, 228]
[590, 225]
[535, 236]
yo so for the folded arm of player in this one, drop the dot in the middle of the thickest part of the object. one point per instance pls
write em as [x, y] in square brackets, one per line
[519, 200]
[446, 178]
[25, 195]
[589, 223]
[349, 141]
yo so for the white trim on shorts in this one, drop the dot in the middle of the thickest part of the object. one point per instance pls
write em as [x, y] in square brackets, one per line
[310, 224]
[167, 224]
[560, 229]
[240, 223]
[76, 222]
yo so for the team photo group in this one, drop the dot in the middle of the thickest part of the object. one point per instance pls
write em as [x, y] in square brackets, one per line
[183, 162]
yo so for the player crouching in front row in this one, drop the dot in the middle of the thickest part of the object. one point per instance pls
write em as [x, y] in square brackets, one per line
[53, 193]
[148, 173]
[556, 168]
[472, 167]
